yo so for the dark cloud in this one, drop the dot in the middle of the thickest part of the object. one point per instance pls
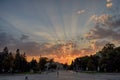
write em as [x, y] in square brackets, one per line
[107, 28]
[5, 39]
[33, 48]
[13, 38]
[24, 37]
[101, 43]
[30, 47]
[114, 21]
[102, 33]
[97, 45]
[8, 33]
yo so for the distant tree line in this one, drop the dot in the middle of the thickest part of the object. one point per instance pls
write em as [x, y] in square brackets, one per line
[17, 63]
[106, 60]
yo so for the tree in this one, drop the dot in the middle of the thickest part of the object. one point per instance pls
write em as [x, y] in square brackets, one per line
[17, 61]
[8, 63]
[42, 62]
[5, 50]
[84, 61]
[106, 59]
[24, 63]
[117, 59]
[33, 65]
[80, 63]
[93, 63]
[109, 58]
[3, 56]
[20, 62]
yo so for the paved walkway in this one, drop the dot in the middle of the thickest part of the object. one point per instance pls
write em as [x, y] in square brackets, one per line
[63, 75]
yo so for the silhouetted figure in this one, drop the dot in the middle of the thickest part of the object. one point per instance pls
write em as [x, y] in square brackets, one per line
[57, 74]
[26, 78]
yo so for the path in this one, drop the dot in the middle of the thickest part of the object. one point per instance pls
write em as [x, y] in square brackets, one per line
[63, 75]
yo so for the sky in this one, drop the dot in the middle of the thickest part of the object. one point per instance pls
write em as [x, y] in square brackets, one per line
[59, 29]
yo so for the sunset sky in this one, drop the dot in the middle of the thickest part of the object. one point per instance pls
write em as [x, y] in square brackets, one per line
[59, 29]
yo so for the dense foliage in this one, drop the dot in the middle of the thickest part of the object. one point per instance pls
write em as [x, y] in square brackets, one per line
[17, 63]
[106, 60]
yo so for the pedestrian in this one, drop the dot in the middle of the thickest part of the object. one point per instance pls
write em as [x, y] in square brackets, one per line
[57, 74]
[26, 78]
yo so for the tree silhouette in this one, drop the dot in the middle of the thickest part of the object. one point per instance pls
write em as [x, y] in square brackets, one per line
[20, 62]
[33, 65]
[42, 62]
[106, 60]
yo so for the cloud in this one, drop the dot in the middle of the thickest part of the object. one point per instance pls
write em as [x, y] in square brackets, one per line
[80, 11]
[107, 21]
[109, 1]
[109, 4]
[8, 33]
[5, 39]
[113, 22]
[13, 38]
[100, 32]
[100, 19]
[32, 48]
[63, 51]
[97, 45]
[24, 37]
[106, 29]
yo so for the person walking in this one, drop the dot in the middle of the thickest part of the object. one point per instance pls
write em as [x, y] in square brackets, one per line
[26, 78]
[57, 73]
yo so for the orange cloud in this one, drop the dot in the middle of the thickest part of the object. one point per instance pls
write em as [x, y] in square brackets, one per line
[109, 4]
[64, 57]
